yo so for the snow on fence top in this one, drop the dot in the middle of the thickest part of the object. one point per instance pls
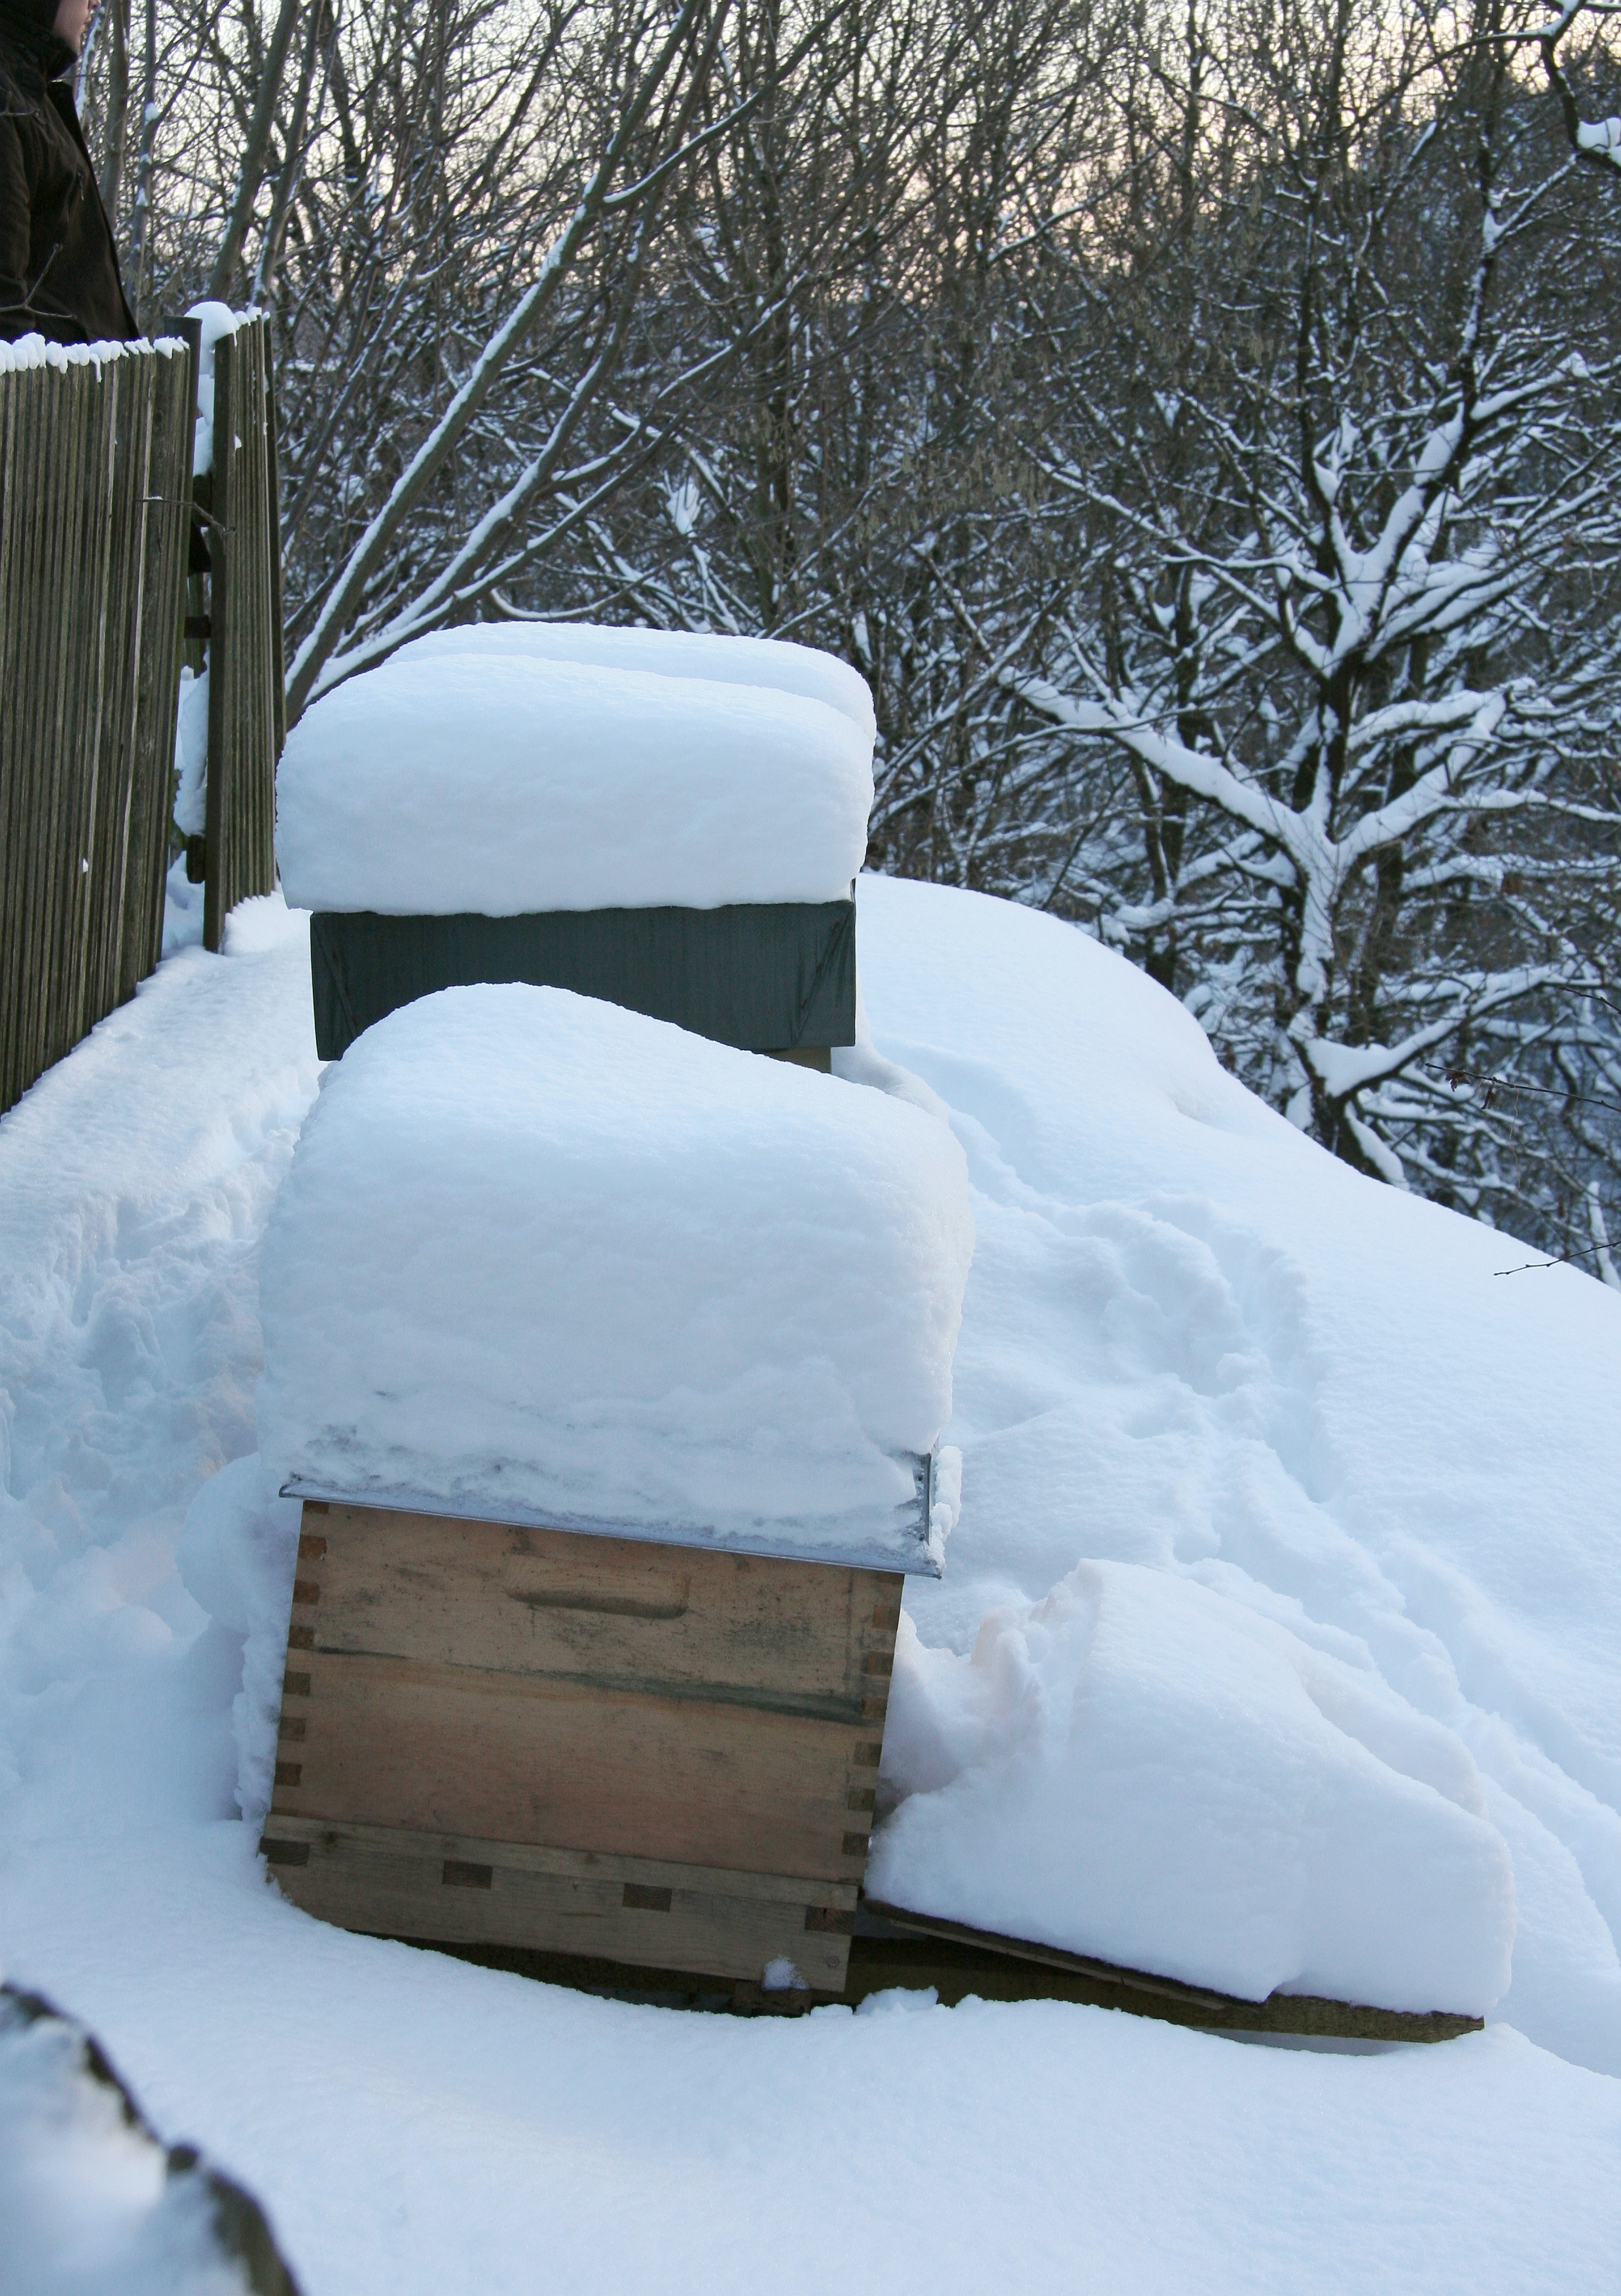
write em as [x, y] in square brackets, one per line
[541, 1259]
[215, 320]
[31, 352]
[668, 653]
[499, 783]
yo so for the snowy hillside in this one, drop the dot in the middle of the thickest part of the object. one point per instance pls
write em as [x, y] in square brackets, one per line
[1281, 1627]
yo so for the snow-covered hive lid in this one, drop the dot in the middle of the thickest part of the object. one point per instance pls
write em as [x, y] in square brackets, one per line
[488, 771]
[544, 1260]
[710, 656]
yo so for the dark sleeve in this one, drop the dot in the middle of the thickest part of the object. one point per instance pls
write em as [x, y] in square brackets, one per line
[55, 326]
[14, 210]
[17, 238]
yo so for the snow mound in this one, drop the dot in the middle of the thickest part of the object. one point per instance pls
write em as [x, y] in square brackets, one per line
[1194, 1342]
[501, 785]
[668, 653]
[236, 1556]
[1138, 1768]
[541, 1258]
[94, 2204]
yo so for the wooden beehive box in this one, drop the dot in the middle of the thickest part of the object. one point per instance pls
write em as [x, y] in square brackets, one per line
[656, 1755]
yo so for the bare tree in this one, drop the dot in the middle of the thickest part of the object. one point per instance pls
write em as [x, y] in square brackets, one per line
[1596, 143]
[1350, 619]
[1198, 419]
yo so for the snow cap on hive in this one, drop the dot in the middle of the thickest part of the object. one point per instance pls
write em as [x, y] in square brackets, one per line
[509, 769]
[542, 1259]
[702, 655]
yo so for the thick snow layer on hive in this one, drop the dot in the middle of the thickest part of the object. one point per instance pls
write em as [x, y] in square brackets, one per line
[541, 1258]
[501, 783]
[668, 653]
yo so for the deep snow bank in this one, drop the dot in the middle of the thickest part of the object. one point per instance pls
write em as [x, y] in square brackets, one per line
[1194, 1342]
[1139, 1768]
[501, 783]
[92, 2201]
[538, 1257]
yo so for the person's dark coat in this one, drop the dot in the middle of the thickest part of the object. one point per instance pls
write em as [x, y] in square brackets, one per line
[59, 267]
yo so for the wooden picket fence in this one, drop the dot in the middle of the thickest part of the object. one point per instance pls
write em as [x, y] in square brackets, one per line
[95, 496]
[95, 479]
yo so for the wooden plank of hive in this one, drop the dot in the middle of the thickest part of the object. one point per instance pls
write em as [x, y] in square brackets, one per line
[454, 1888]
[393, 1741]
[616, 1613]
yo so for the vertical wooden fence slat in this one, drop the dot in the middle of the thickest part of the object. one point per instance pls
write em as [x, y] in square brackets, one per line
[95, 468]
[41, 830]
[21, 734]
[156, 669]
[113, 557]
[72, 672]
[270, 684]
[245, 685]
[82, 767]
[221, 539]
[15, 431]
[278, 648]
[24, 736]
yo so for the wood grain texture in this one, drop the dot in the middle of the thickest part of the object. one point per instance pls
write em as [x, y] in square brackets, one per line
[404, 1741]
[94, 466]
[246, 709]
[834, 1898]
[921, 1949]
[483, 1726]
[792, 1637]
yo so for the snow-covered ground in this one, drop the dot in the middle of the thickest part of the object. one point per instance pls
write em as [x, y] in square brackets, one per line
[1233, 1404]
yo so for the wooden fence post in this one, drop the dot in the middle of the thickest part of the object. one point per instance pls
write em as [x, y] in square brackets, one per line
[246, 696]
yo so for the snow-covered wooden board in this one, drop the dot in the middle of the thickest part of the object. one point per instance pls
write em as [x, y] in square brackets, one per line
[895, 1946]
[904, 1539]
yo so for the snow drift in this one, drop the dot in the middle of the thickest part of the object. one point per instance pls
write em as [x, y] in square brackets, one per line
[1194, 1342]
[495, 782]
[540, 1257]
[1138, 1763]
[235, 1554]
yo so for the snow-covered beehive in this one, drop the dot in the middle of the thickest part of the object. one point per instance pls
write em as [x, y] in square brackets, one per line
[610, 1363]
[670, 821]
